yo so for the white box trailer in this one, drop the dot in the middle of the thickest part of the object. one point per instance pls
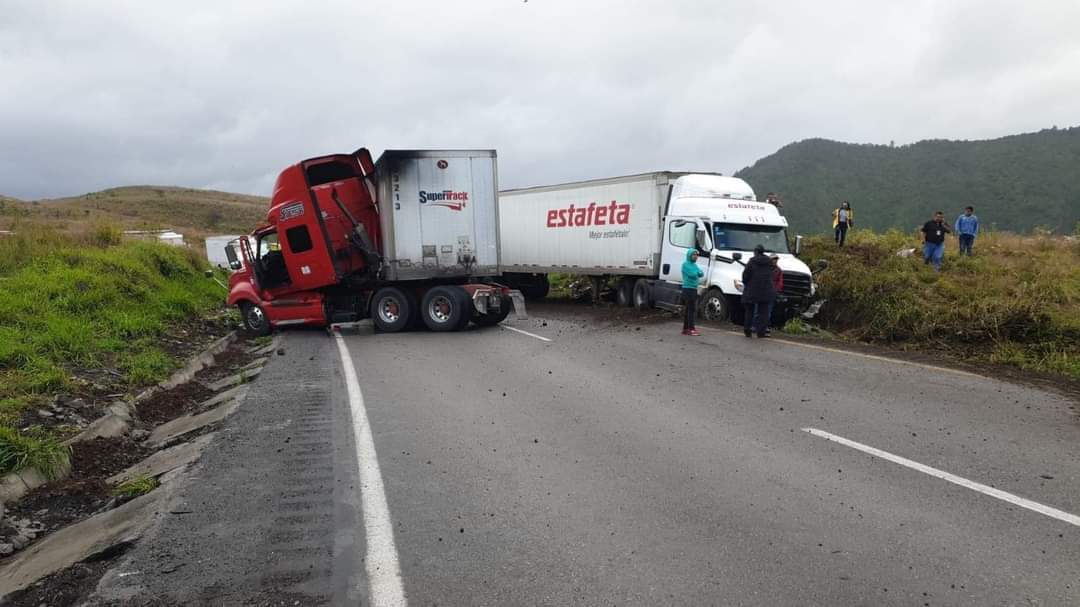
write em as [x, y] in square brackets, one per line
[605, 226]
[439, 213]
[636, 231]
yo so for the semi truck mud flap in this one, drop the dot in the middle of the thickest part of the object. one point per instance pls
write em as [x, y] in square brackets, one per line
[519, 305]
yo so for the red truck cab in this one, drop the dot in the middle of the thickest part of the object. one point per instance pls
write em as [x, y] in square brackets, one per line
[317, 260]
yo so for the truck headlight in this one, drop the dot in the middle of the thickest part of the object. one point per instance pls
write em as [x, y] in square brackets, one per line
[738, 285]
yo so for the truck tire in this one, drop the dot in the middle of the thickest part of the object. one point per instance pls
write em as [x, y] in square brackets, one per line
[643, 299]
[714, 306]
[493, 318]
[624, 293]
[446, 308]
[390, 309]
[254, 320]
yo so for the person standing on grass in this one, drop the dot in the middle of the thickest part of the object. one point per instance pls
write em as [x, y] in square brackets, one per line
[778, 288]
[691, 274]
[758, 293]
[842, 219]
[934, 232]
[967, 228]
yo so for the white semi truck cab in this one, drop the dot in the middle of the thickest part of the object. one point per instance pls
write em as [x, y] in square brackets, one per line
[721, 218]
[633, 233]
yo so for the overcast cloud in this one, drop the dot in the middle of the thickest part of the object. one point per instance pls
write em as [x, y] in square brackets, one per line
[224, 94]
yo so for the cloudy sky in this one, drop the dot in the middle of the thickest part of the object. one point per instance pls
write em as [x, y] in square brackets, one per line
[224, 94]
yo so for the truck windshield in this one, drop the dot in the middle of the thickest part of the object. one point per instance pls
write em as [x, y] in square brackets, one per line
[744, 237]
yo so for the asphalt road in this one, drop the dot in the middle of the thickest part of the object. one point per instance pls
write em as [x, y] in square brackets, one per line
[622, 464]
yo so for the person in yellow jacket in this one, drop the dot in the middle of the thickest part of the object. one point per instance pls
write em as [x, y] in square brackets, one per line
[842, 219]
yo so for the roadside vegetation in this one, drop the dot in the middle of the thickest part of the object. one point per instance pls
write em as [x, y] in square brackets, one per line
[140, 485]
[1016, 301]
[73, 302]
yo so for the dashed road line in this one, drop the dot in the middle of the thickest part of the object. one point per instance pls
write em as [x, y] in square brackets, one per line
[381, 563]
[1016, 500]
[533, 335]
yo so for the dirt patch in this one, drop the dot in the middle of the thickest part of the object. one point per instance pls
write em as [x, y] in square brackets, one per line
[167, 405]
[188, 340]
[104, 457]
[63, 415]
[227, 363]
[61, 503]
[67, 587]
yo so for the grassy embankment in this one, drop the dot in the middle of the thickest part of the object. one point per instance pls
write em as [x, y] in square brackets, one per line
[1016, 301]
[70, 302]
[194, 213]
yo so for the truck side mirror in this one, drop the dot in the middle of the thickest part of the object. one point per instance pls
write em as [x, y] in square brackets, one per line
[798, 244]
[703, 244]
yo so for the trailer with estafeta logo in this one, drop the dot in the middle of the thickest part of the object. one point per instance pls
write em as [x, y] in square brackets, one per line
[404, 240]
[633, 233]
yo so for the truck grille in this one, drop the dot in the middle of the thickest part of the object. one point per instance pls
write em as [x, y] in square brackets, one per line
[796, 284]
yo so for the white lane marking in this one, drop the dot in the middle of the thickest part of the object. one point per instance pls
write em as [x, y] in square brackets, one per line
[381, 562]
[882, 358]
[525, 333]
[952, 478]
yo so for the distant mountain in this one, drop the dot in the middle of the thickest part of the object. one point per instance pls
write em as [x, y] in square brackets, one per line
[196, 213]
[1015, 183]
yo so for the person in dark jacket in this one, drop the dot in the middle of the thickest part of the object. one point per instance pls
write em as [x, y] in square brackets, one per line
[758, 292]
[691, 275]
[934, 232]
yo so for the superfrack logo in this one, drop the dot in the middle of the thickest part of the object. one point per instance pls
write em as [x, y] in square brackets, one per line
[455, 201]
[593, 215]
[743, 205]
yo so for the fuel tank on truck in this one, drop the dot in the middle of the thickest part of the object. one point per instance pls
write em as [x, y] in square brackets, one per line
[439, 214]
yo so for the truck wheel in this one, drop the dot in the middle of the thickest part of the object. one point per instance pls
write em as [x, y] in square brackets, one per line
[446, 308]
[624, 293]
[390, 309]
[256, 324]
[493, 318]
[643, 295]
[714, 306]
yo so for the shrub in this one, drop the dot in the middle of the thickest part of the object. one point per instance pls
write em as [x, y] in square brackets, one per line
[31, 449]
[140, 485]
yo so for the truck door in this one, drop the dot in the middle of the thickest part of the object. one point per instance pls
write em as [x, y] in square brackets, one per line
[681, 235]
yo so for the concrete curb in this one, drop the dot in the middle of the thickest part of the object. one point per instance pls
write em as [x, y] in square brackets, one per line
[234, 380]
[195, 365]
[117, 421]
[78, 542]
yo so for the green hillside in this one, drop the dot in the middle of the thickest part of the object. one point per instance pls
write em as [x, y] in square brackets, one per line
[195, 213]
[1015, 183]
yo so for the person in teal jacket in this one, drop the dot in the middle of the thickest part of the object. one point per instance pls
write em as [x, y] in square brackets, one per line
[691, 274]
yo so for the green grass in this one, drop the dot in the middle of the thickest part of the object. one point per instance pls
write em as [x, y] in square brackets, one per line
[90, 300]
[1017, 301]
[20, 450]
[140, 485]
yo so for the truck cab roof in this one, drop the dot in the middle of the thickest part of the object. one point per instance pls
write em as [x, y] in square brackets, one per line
[721, 199]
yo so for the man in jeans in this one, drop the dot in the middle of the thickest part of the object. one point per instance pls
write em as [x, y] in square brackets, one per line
[691, 274]
[967, 228]
[759, 291]
[934, 232]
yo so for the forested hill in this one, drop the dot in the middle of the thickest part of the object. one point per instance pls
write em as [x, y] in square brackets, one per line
[1015, 183]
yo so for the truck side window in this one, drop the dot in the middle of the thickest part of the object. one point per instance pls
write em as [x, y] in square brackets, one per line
[299, 239]
[683, 234]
